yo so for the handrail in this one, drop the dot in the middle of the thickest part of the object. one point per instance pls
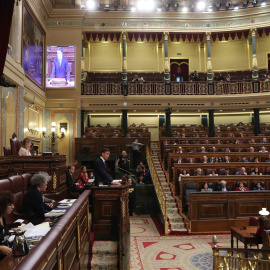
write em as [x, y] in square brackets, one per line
[162, 198]
[228, 261]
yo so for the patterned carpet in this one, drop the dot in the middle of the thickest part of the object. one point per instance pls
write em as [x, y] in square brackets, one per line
[150, 251]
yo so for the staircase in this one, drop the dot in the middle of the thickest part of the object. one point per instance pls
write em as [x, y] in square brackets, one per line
[175, 220]
[104, 255]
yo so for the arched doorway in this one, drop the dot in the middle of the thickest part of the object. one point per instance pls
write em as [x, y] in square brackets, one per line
[183, 64]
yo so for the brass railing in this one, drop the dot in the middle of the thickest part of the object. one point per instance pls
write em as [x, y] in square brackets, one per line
[159, 190]
[175, 88]
[236, 258]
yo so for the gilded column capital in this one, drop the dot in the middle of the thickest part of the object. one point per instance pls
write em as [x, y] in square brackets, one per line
[253, 31]
[208, 35]
[124, 35]
[166, 35]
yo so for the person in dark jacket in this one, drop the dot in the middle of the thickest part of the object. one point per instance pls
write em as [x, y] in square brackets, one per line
[102, 176]
[70, 182]
[6, 207]
[33, 200]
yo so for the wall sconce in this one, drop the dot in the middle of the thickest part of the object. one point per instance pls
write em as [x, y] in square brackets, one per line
[264, 212]
[53, 135]
[33, 131]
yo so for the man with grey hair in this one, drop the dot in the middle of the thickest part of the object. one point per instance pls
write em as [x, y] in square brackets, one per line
[33, 203]
[223, 186]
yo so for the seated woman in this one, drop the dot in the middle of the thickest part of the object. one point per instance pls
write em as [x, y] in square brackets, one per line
[184, 173]
[258, 187]
[6, 207]
[206, 188]
[241, 187]
[256, 171]
[83, 178]
[33, 200]
[25, 148]
[263, 225]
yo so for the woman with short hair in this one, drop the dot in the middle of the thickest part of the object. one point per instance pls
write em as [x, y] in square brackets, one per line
[33, 200]
[25, 148]
[6, 207]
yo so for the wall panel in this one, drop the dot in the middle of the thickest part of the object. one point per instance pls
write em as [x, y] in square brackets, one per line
[185, 119]
[105, 57]
[142, 57]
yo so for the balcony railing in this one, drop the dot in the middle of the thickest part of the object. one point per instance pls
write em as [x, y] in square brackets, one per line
[174, 88]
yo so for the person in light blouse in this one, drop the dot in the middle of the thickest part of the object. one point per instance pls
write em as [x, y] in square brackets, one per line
[25, 147]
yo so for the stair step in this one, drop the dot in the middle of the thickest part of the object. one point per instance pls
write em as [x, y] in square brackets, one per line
[175, 218]
[177, 225]
[104, 262]
[171, 205]
[105, 247]
[172, 210]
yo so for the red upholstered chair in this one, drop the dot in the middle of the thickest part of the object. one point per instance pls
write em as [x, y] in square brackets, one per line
[6, 186]
[26, 182]
[253, 221]
[17, 185]
[7, 151]
[15, 145]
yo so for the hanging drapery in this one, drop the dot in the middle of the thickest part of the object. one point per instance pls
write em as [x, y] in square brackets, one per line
[6, 12]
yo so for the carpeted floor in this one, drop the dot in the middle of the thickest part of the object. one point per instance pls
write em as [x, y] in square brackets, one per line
[150, 251]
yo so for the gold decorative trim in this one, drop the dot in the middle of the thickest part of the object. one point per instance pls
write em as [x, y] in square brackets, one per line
[54, 181]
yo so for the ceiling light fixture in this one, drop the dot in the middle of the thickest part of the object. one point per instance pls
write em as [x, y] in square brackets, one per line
[245, 3]
[167, 7]
[263, 4]
[201, 5]
[184, 9]
[90, 4]
[236, 7]
[254, 3]
[133, 8]
[227, 6]
[175, 7]
[210, 9]
[218, 5]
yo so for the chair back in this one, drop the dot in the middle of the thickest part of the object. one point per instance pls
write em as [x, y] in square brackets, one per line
[253, 221]
[7, 151]
[15, 145]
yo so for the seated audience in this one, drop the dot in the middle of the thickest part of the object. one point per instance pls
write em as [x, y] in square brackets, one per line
[251, 149]
[268, 160]
[227, 171]
[123, 162]
[70, 181]
[256, 160]
[140, 168]
[33, 203]
[263, 225]
[223, 186]
[242, 171]
[133, 125]
[227, 150]
[243, 159]
[256, 171]
[131, 195]
[82, 178]
[241, 187]
[213, 173]
[263, 150]
[147, 178]
[204, 159]
[25, 148]
[226, 159]
[264, 140]
[140, 179]
[179, 160]
[108, 125]
[258, 187]
[199, 172]
[206, 188]
[180, 150]
[203, 149]
[6, 207]
[184, 173]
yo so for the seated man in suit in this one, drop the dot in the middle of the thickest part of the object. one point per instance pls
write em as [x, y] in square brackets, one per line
[242, 171]
[199, 172]
[223, 186]
[33, 200]
[70, 182]
[102, 175]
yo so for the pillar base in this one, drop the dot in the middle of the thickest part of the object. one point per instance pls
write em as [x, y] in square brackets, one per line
[167, 77]
[255, 76]
[210, 76]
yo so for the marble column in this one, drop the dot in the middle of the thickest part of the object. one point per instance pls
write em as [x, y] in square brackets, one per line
[255, 76]
[168, 131]
[124, 68]
[15, 39]
[124, 123]
[166, 59]
[211, 131]
[208, 60]
[257, 127]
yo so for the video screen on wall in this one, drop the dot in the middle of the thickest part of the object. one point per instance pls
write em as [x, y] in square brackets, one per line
[60, 69]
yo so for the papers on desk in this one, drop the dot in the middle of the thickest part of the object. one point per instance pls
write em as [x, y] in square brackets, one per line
[67, 201]
[36, 232]
[26, 227]
[117, 180]
[19, 221]
[91, 180]
[55, 213]
[66, 205]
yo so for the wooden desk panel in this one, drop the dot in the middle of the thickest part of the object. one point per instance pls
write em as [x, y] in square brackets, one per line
[216, 166]
[218, 211]
[63, 246]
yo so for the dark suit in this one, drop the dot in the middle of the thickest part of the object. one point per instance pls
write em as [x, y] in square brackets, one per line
[33, 203]
[70, 184]
[102, 175]
[196, 174]
[220, 188]
[61, 71]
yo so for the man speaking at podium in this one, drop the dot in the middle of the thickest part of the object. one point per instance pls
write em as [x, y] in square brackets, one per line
[102, 176]
[60, 67]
